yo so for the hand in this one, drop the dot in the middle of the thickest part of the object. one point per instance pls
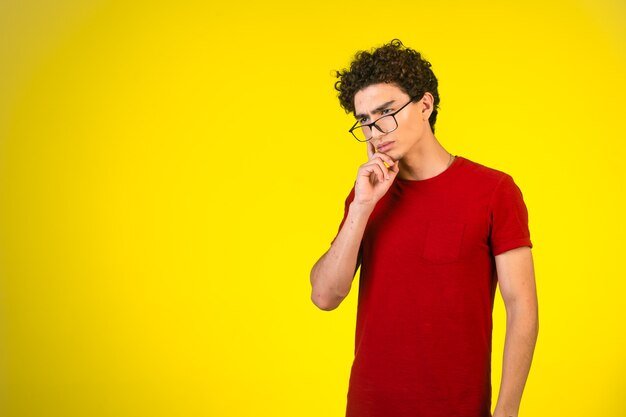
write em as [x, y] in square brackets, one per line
[374, 178]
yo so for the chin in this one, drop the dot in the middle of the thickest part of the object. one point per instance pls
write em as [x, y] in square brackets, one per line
[394, 155]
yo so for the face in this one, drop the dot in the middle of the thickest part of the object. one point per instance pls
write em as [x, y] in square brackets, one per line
[378, 100]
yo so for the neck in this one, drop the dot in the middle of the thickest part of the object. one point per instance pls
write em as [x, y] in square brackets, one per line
[425, 160]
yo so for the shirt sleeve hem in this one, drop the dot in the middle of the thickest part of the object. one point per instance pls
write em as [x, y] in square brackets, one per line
[511, 244]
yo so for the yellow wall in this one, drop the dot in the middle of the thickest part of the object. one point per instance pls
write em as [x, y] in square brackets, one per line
[170, 171]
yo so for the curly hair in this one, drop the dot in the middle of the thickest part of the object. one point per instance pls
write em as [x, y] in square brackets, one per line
[391, 63]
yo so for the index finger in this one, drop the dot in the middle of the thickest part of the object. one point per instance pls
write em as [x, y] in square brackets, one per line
[370, 150]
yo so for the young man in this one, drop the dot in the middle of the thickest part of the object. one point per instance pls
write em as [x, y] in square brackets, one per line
[434, 234]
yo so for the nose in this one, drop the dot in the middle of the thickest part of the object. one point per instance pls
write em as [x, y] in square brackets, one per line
[376, 135]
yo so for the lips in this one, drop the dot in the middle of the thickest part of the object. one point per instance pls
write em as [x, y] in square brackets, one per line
[385, 146]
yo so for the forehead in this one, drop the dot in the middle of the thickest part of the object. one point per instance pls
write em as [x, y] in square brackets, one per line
[372, 96]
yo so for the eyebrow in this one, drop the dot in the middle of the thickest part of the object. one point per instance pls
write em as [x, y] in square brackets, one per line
[377, 109]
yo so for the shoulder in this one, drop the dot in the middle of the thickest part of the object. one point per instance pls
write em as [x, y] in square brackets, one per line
[477, 169]
[481, 174]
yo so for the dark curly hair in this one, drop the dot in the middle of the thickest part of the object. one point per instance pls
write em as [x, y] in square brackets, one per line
[390, 63]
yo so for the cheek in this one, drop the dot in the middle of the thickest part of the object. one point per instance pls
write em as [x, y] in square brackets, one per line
[410, 127]
[413, 122]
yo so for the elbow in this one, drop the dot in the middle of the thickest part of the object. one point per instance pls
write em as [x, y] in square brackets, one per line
[525, 316]
[534, 319]
[325, 303]
[323, 296]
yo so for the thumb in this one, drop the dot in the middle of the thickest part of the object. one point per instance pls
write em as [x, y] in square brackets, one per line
[395, 168]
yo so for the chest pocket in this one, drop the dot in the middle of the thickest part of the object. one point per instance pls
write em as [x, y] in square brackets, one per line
[443, 241]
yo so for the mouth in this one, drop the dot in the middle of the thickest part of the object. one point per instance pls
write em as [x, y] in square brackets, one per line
[385, 146]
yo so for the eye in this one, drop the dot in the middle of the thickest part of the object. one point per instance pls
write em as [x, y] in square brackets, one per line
[386, 111]
[362, 120]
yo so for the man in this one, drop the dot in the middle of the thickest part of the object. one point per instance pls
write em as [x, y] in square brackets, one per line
[433, 234]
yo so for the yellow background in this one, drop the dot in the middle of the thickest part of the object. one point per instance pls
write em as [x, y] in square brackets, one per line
[170, 171]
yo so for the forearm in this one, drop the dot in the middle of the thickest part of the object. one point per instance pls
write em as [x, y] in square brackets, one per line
[332, 274]
[522, 327]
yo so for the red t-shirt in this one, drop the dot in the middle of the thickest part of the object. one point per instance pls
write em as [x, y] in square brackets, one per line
[427, 285]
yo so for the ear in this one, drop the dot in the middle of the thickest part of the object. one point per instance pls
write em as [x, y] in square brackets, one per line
[427, 105]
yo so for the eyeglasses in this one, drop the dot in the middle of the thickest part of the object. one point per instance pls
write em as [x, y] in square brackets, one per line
[384, 124]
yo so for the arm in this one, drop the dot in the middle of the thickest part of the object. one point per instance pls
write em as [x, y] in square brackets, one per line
[516, 279]
[332, 274]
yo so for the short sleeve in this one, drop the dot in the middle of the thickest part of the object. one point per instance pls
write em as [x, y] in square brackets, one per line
[349, 200]
[508, 218]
